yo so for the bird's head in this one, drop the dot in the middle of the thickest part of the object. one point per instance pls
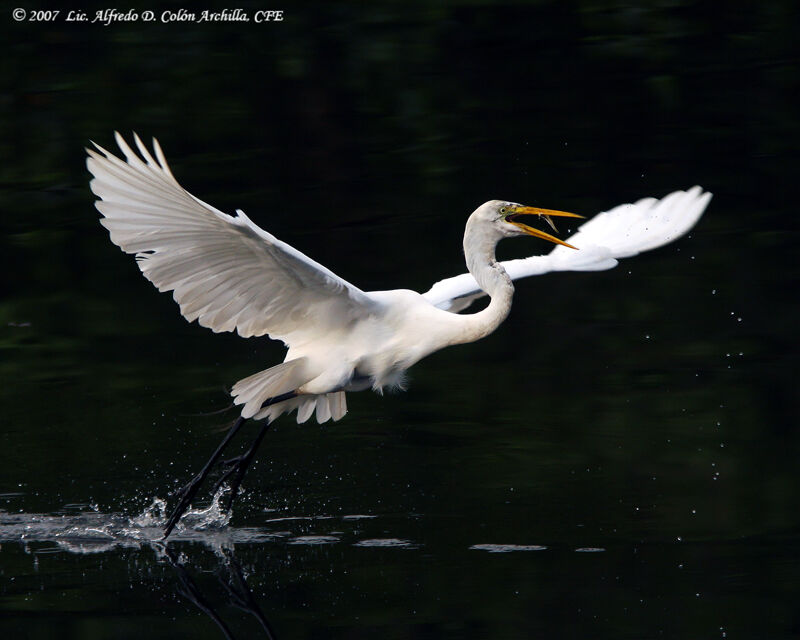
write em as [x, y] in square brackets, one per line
[504, 217]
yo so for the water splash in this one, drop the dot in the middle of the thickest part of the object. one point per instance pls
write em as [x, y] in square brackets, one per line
[83, 532]
[90, 531]
[153, 515]
[85, 529]
[212, 517]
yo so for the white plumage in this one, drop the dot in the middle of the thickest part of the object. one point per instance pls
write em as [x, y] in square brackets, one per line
[230, 275]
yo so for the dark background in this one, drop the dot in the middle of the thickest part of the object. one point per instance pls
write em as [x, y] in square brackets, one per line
[649, 411]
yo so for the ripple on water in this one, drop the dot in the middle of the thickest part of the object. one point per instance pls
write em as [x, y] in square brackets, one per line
[394, 543]
[507, 548]
[314, 540]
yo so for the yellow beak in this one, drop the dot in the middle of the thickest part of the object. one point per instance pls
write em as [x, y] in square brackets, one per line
[546, 213]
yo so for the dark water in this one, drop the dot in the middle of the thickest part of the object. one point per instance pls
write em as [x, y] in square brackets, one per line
[619, 460]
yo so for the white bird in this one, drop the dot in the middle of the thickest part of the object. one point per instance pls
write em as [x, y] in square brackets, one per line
[230, 275]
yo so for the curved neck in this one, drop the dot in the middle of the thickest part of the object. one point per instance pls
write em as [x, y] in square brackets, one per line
[480, 241]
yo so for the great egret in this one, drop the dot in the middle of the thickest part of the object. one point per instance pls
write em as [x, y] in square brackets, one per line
[228, 274]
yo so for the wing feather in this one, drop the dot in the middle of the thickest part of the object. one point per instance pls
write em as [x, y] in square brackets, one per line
[224, 271]
[621, 232]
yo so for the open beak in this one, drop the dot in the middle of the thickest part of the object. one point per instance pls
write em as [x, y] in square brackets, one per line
[546, 213]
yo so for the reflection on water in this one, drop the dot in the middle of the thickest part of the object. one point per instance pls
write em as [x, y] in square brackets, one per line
[231, 577]
[88, 531]
[246, 581]
[85, 531]
[204, 544]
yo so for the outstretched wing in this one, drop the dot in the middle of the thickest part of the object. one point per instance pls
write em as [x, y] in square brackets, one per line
[224, 271]
[621, 232]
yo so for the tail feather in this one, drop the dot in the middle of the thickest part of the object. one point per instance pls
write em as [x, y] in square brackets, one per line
[286, 377]
[254, 390]
[327, 406]
[305, 408]
[338, 405]
[323, 409]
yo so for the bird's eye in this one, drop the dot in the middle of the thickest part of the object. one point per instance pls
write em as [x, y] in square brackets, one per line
[503, 210]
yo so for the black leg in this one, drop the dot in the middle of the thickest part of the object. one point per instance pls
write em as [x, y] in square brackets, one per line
[238, 466]
[188, 492]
